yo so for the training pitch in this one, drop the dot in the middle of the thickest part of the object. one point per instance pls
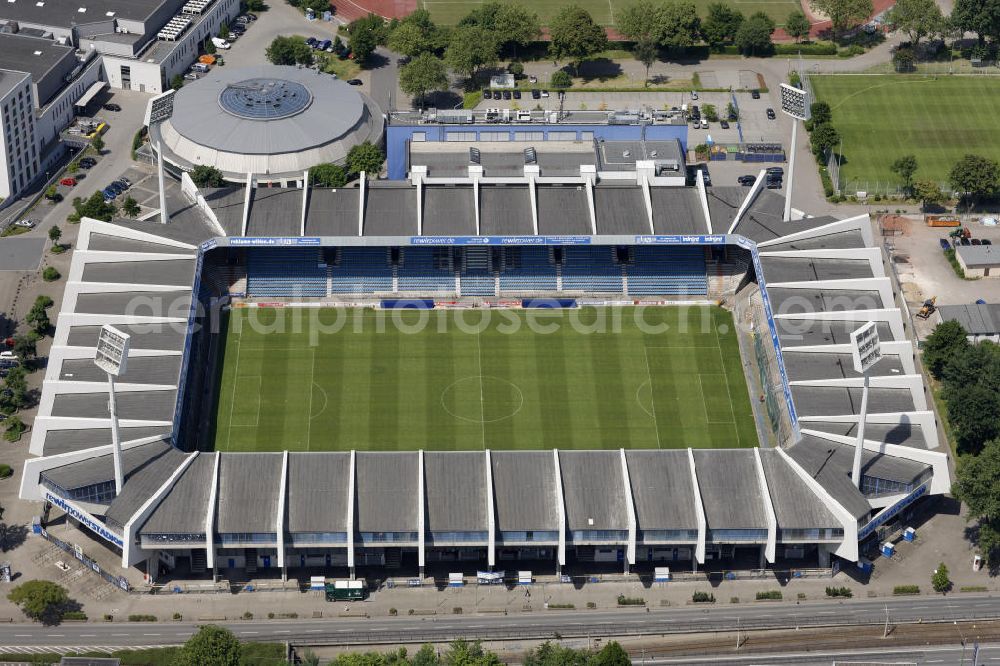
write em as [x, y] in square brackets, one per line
[450, 12]
[663, 377]
[882, 118]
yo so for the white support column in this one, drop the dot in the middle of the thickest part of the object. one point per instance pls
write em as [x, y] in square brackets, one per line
[772, 521]
[247, 196]
[531, 172]
[351, 506]
[421, 514]
[419, 183]
[213, 498]
[791, 172]
[859, 447]
[280, 523]
[633, 527]
[361, 204]
[491, 520]
[703, 198]
[758, 185]
[699, 550]
[476, 173]
[305, 201]
[164, 213]
[647, 199]
[116, 443]
[561, 505]
[590, 207]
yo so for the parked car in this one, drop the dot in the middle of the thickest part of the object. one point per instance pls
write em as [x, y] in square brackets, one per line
[755, 94]
[221, 43]
[87, 163]
[487, 93]
[237, 28]
[506, 94]
[517, 94]
[770, 114]
[694, 94]
[124, 181]
[311, 41]
[68, 182]
[746, 181]
[111, 107]
[191, 76]
[945, 245]
[535, 93]
[324, 45]
[775, 171]
[773, 183]
[977, 241]
[355, 82]
[966, 241]
[987, 241]
[724, 124]
[26, 224]
[545, 93]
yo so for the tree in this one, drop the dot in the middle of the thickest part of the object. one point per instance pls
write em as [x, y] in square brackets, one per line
[917, 18]
[975, 175]
[976, 481]
[553, 654]
[94, 207]
[844, 14]
[721, 24]
[820, 113]
[177, 82]
[365, 157]
[97, 143]
[416, 34]
[561, 79]
[824, 137]
[928, 193]
[511, 24]
[255, 5]
[645, 51]
[130, 207]
[422, 75]
[664, 24]
[206, 176]
[940, 581]
[947, 341]
[40, 599]
[979, 16]
[224, 31]
[904, 59]
[575, 37]
[289, 50]
[366, 34]
[754, 35]
[25, 346]
[974, 414]
[210, 645]
[38, 318]
[905, 167]
[209, 45]
[328, 175]
[797, 25]
[55, 233]
[471, 48]
[465, 653]
[612, 654]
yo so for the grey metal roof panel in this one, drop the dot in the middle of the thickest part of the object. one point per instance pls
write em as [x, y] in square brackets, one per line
[620, 210]
[593, 490]
[31, 55]
[333, 212]
[662, 489]
[677, 210]
[449, 211]
[802, 269]
[184, 508]
[830, 465]
[227, 204]
[840, 240]
[275, 211]
[804, 366]
[391, 211]
[563, 210]
[166, 337]
[318, 497]
[524, 488]
[975, 319]
[806, 332]
[505, 210]
[66, 441]
[386, 489]
[453, 164]
[108, 243]
[139, 370]
[978, 255]
[101, 468]
[557, 163]
[64, 13]
[763, 221]
[796, 506]
[838, 401]
[173, 272]
[138, 303]
[187, 223]
[723, 203]
[785, 300]
[903, 434]
[132, 405]
[249, 488]
[142, 483]
[730, 491]
[455, 491]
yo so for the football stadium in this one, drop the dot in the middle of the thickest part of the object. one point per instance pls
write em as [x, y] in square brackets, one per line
[546, 352]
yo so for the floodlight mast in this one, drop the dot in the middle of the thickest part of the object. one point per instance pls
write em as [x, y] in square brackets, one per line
[111, 357]
[866, 350]
[160, 108]
[794, 103]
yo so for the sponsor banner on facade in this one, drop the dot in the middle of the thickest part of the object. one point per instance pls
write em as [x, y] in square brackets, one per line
[501, 240]
[716, 239]
[85, 518]
[271, 241]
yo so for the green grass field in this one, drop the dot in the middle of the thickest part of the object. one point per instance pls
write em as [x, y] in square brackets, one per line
[884, 117]
[508, 384]
[449, 12]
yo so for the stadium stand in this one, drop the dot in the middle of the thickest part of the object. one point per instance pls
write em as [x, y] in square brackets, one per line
[361, 270]
[528, 269]
[657, 270]
[591, 269]
[426, 271]
[477, 272]
[285, 272]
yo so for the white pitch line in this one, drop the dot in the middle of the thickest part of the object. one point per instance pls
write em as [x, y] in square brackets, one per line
[652, 398]
[236, 383]
[312, 380]
[482, 402]
[718, 346]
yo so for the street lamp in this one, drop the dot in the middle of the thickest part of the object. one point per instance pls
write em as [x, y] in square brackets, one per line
[112, 356]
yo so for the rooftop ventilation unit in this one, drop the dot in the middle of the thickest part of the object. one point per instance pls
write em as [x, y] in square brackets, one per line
[174, 28]
[195, 6]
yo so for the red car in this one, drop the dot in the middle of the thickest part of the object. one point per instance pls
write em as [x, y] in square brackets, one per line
[68, 182]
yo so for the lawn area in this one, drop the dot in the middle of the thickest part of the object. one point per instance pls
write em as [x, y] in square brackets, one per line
[449, 12]
[452, 380]
[884, 117]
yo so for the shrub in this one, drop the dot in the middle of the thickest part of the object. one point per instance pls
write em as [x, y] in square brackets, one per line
[906, 589]
[973, 588]
[734, 600]
[591, 604]
[844, 592]
[393, 611]
[561, 606]
[5, 471]
[703, 598]
[561, 79]
[141, 618]
[630, 601]
[75, 615]
[769, 594]
[57, 249]
[409, 612]
[949, 254]
[940, 580]
[50, 274]
[178, 616]
[108, 617]
[711, 114]
[814, 48]
[516, 68]
[457, 610]
[248, 615]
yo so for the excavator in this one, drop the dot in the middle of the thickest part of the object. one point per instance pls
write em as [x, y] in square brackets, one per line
[928, 308]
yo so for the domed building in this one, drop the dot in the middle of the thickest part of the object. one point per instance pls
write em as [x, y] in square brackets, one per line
[272, 121]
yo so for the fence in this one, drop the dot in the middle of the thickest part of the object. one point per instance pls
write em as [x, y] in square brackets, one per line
[118, 581]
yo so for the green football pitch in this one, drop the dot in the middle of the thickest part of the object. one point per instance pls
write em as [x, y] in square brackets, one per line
[450, 12]
[455, 380]
[884, 117]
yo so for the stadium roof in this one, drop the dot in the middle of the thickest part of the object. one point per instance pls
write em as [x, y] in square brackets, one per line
[318, 492]
[724, 475]
[524, 484]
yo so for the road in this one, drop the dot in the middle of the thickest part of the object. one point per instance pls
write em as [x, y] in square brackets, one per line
[409, 629]
[954, 655]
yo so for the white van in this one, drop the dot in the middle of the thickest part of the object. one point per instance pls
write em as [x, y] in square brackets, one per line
[199, 67]
[220, 43]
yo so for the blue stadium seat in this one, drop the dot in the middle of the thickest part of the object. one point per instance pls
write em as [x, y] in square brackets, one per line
[667, 271]
[527, 269]
[591, 268]
[362, 270]
[286, 272]
[426, 270]
[477, 272]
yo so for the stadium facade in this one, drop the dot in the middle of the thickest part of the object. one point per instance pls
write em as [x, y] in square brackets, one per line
[616, 237]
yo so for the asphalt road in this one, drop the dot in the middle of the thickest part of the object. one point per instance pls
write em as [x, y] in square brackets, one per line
[360, 631]
[953, 655]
